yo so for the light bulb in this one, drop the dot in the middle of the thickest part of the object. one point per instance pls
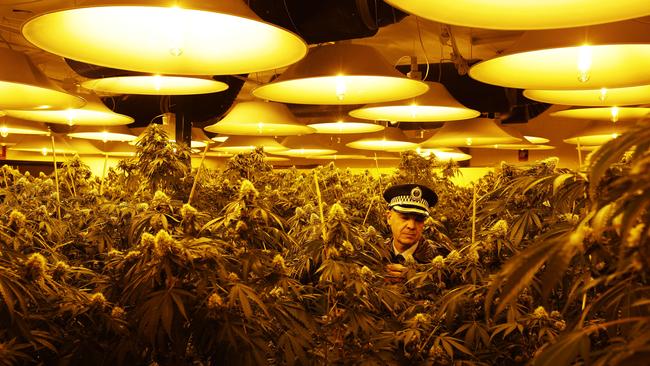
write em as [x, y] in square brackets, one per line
[260, 127]
[468, 141]
[615, 135]
[175, 25]
[174, 150]
[4, 131]
[44, 151]
[392, 122]
[418, 150]
[603, 94]
[71, 114]
[157, 82]
[414, 110]
[340, 87]
[105, 136]
[584, 63]
[614, 112]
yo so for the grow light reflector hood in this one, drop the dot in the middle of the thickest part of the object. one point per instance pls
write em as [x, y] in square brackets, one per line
[191, 38]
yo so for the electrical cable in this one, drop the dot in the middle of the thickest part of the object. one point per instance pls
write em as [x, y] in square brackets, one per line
[426, 59]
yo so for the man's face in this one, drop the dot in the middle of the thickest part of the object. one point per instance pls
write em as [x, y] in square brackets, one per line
[406, 228]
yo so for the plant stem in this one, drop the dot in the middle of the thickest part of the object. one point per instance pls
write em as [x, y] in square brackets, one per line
[320, 206]
[198, 172]
[474, 215]
[101, 185]
[56, 179]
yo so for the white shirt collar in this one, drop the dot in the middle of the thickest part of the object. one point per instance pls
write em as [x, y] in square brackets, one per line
[408, 253]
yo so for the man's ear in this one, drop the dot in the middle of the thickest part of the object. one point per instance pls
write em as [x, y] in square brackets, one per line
[387, 215]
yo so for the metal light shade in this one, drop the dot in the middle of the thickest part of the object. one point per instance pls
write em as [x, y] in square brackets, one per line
[597, 133]
[302, 146]
[155, 85]
[43, 145]
[342, 152]
[103, 133]
[94, 113]
[199, 138]
[193, 38]
[341, 73]
[240, 144]
[472, 132]
[525, 144]
[116, 148]
[445, 154]
[613, 114]
[24, 86]
[260, 119]
[593, 97]
[610, 55]
[14, 126]
[436, 105]
[526, 14]
[589, 147]
[343, 125]
[391, 139]
[219, 138]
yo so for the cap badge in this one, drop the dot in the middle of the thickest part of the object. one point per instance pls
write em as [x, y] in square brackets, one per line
[416, 193]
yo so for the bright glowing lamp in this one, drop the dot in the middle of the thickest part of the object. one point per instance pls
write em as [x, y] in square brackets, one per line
[155, 85]
[613, 114]
[528, 14]
[116, 148]
[43, 145]
[593, 97]
[436, 105]
[445, 154]
[341, 73]
[14, 126]
[302, 146]
[94, 113]
[103, 133]
[469, 133]
[261, 119]
[597, 133]
[525, 144]
[194, 38]
[24, 86]
[241, 144]
[391, 139]
[343, 125]
[602, 56]
[342, 152]
[219, 138]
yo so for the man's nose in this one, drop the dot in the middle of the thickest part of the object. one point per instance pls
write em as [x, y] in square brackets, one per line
[410, 223]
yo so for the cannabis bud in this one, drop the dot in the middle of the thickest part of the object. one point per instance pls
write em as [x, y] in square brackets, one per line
[278, 262]
[438, 262]
[453, 256]
[215, 301]
[160, 199]
[336, 213]
[247, 190]
[188, 212]
[540, 313]
[163, 243]
[16, 220]
[97, 299]
[118, 312]
[35, 266]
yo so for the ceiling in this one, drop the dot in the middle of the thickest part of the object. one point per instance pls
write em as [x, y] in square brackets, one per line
[395, 34]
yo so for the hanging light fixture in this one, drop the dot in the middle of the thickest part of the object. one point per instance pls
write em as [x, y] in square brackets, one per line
[93, 113]
[303, 146]
[391, 139]
[436, 105]
[444, 154]
[14, 126]
[194, 38]
[343, 125]
[103, 133]
[613, 114]
[342, 152]
[611, 55]
[341, 73]
[524, 144]
[517, 14]
[241, 144]
[593, 97]
[525, 131]
[469, 133]
[116, 148]
[261, 119]
[24, 86]
[219, 138]
[155, 85]
[43, 145]
[597, 133]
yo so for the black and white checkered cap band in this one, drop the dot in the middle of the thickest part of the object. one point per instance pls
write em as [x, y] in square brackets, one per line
[409, 204]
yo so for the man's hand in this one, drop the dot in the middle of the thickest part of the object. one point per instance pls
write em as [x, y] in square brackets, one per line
[396, 273]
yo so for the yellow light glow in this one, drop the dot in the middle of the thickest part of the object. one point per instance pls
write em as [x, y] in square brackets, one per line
[436, 105]
[259, 118]
[584, 63]
[203, 38]
[342, 73]
[155, 85]
[391, 139]
[613, 114]
[103, 133]
[350, 126]
[593, 97]
[554, 59]
[4, 131]
[24, 86]
[44, 151]
[239, 144]
[523, 14]
[471, 132]
[524, 146]
[536, 139]
[598, 133]
[13, 126]
[446, 154]
[94, 113]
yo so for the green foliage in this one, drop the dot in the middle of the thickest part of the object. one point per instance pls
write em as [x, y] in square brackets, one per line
[287, 267]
